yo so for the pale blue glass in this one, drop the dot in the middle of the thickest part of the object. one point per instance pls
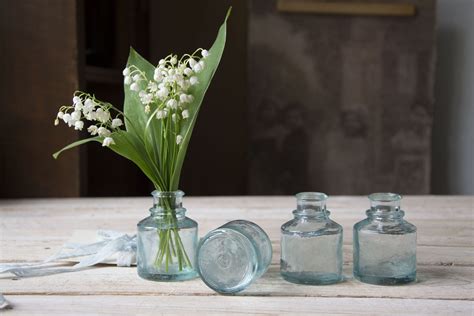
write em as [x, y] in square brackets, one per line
[384, 243]
[233, 256]
[167, 224]
[311, 243]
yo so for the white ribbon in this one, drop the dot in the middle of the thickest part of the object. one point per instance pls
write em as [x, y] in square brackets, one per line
[4, 304]
[113, 243]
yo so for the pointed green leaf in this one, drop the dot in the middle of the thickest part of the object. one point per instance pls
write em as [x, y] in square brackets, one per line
[128, 145]
[205, 77]
[75, 144]
[133, 108]
[134, 111]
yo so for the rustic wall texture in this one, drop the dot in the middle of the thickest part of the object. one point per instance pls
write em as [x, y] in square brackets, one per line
[340, 104]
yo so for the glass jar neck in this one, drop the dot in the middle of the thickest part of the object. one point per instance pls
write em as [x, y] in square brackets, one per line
[168, 204]
[385, 206]
[311, 204]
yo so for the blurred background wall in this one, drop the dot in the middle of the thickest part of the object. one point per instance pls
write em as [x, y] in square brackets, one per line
[48, 51]
[453, 134]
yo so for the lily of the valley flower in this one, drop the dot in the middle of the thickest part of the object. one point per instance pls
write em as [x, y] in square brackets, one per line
[92, 130]
[108, 141]
[167, 96]
[185, 114]
[116, 123]
[168, 92]
[87, 108]
[79, 125]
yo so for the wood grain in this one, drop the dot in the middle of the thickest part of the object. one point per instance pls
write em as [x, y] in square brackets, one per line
[34, 229]
[231, 305]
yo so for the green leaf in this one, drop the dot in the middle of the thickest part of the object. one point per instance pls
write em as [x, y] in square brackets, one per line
[205, 77]
[75, 144]
[137, 119]
[130, 146]
[133, 108]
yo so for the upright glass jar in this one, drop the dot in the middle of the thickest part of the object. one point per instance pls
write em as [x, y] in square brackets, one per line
[167, 240]
[233, 256]
[384, 243]
[311, 243]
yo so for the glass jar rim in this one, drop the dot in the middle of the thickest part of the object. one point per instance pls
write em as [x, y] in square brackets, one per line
[384, 197]
[312, 196]
[177, 193]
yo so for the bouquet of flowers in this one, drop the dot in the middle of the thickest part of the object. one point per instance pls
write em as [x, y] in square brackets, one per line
[154, 129]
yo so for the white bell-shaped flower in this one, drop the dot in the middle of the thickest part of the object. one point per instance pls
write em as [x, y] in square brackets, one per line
[102, 131]
[134, 87]
[92, 130]
[76, 99]
[108, 141]
[136, 77]
[179, 139]
[66, 118]
[188, 71]
[192, 62]
[116, 122]
[78, 125]
[172, 104]
[76, 115]
[185, 114]
[193, 80]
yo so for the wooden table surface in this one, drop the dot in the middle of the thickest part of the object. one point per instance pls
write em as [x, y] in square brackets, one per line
[31, 230]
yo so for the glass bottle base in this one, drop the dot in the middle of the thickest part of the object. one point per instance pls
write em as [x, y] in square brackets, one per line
[311, 278]
[227, 261]
[386, 280]
[169, 277]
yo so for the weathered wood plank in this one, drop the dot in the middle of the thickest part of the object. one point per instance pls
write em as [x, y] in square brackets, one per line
[434, 282]
[230, 305]
[33, 229]
[37, 249]
[51, 222]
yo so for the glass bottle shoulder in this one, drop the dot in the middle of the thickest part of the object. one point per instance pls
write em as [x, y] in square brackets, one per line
[311, 226]
[395, 227]
[152, 222]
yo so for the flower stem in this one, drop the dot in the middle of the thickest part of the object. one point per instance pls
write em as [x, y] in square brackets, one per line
[170, 245]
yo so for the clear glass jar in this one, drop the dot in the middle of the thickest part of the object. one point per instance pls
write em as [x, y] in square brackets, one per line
[384, 243]
[167, 240]
[234, 255]
[311, 243]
